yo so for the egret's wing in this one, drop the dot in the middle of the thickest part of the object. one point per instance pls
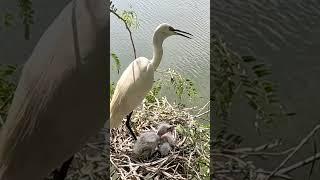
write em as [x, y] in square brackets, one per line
[132, 87]
[39, 79]
[45, 76]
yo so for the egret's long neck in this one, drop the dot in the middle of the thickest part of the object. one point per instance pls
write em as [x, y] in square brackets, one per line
[157, 51]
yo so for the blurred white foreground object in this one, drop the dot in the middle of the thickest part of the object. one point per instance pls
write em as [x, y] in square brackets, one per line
[60, 102]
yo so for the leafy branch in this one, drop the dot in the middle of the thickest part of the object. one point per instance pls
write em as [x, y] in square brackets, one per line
[127, 22]
[7, 87]
[26, 13]
[233, 76]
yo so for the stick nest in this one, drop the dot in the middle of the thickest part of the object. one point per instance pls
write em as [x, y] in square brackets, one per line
[188, 160]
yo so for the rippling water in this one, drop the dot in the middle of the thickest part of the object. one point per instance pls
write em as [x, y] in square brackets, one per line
[284, 34]
[189, 57]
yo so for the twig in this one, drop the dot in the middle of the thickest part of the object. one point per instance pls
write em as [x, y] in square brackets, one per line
[295, 150]
[199, 115]
[115, 166]
[127, 27]
[259, 148]
[240, 161]
[253, 152]
[299, 164]
[201, 109]
[259, 171]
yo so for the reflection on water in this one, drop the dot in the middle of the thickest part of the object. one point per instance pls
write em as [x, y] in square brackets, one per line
[189, 57]
[284, 34]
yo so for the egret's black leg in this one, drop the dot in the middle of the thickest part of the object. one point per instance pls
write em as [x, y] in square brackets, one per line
[61, 174]
[129, 127]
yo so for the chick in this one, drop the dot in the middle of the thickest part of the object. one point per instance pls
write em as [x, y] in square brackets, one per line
[147, 143]
[167, 141]
[164, 149]
[164, 128]
[169, 138]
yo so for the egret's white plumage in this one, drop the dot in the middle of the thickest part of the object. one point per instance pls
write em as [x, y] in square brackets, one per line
[132, 87]
[137, 79]
[58, 103]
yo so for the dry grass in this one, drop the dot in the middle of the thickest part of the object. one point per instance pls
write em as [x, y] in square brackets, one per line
[188, 160]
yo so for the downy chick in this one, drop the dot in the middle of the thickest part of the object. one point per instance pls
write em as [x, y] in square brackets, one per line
[147, 143]
[167, 141]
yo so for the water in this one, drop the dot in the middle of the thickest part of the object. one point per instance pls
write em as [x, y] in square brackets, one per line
[286, 36]
[188, 57]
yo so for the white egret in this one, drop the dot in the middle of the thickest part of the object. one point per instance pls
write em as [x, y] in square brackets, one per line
[60, 101]
[147, 143]
[137, 79]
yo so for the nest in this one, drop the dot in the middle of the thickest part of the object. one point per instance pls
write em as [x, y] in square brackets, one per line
[188, 160]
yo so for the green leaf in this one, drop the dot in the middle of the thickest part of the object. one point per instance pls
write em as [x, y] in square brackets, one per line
[117, 62]
[130, 18]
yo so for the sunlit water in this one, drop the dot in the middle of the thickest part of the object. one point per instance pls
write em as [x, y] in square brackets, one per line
[188, 57]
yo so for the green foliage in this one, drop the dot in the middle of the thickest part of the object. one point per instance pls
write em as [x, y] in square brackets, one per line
[7, 88]
[112, 88]
[26, 14]
[198, 134]
[130, 18]
[153, 94]
[244, 76]
[171, 80]
[117, 64]
[8, 19]
[183, 86]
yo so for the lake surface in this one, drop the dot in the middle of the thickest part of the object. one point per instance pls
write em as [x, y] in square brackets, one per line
[188, 57]
[284, 34]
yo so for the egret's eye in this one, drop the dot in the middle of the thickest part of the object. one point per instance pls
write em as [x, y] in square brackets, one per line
[171, 28]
